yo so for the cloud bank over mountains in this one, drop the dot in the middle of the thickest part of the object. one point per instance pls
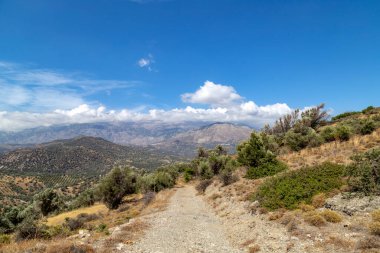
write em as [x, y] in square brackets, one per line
[35, 97]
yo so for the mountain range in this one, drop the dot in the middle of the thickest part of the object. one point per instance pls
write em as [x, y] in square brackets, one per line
[179, 139]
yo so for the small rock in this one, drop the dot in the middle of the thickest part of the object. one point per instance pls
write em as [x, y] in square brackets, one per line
[120, 246]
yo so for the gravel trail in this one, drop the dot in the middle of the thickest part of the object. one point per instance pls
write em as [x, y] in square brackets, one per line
[187, 225]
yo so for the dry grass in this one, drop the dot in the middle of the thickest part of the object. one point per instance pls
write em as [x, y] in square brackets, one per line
[127, 234]
[331, 216]
[337, 152]
[254, 249]
[60, 218]
[276, 215]
[69, 247]
[160, 202]
[247, 243]
[374, 228]
[306, 208]
[339, 242]
[22, 246]
[314, 219]
[369, 243]
[318, 200]
[376, 215]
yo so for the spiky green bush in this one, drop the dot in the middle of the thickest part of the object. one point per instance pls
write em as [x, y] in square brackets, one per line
[288, 190]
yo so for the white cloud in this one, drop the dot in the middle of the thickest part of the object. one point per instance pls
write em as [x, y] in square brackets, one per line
[146, 62]
[143, 62]
[33, 89]
[67, 106]
[212, 94]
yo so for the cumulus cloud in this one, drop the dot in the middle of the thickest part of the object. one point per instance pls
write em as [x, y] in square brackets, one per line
[212, 94]
[232, 109]
[146, 62]
[34, 97]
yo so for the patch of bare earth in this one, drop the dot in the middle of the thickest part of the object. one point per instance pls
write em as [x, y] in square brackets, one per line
[186, 225]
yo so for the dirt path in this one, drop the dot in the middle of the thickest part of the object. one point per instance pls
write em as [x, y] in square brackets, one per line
[187, 225]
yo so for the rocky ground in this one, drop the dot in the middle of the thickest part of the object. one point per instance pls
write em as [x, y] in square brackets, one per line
[258, 230]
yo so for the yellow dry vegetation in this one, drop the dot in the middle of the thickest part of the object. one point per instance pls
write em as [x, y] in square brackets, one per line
[60, 218]
[337, 152]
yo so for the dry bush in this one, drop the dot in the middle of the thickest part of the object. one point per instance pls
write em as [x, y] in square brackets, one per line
[374, 228]
[376, 215]
[339, 242]
[292, 226]
[314, 219]
[369, 242]
[215, 196]
[289, 246]
[202, 186]
[262, 210]
[254, 249]
[287, 218]
[306, 208]
[318, 200]
[276, 215]
[331, 216]
[67, 247]
[248, 242]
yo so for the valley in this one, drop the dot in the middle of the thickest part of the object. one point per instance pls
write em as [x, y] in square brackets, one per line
[291, 187]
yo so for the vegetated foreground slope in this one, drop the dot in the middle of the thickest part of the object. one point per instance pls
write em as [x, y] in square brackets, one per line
[69, 165]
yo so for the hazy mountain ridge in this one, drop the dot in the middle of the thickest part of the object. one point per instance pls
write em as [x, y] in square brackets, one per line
[136, 133]
[179, 139]
[226, 134]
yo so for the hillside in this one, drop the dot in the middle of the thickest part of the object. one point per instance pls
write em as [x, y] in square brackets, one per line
[70, 165]
[225, 134]
[79, 155]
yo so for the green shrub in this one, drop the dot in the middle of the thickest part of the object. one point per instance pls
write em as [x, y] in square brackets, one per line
[368, 127]
[58, 231]
[157, 181]
[6, 226]
[344, 115]
[86, 198]
[73, 224]
[227, 177]
[368, 110]
[301, 137]
[252, 152]
[328, 134]
[30, 229]
[116, 185]
[162, 180]
[5, 239]
[266, 169]
[288, 190]
[204, 170]
[343, 132]
[48, 201]
[271, 142]
[364, 173]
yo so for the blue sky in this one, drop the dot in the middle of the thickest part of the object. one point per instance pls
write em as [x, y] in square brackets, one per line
[148, 58]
